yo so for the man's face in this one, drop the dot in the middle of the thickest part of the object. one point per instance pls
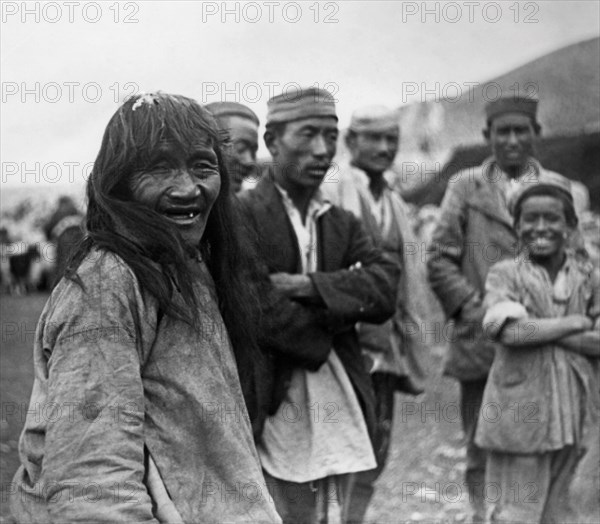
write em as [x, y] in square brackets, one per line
[543, 226]
[374, 151]
[305, 149]
[241, 157]
[182, 186]
[512, 137]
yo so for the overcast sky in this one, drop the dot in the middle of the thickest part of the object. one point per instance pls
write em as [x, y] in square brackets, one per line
[66, 65]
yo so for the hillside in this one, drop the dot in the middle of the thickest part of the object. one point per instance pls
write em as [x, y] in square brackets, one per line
[566, 81]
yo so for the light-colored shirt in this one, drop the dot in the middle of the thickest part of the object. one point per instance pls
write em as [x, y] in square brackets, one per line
[319, 429]
[510, 186]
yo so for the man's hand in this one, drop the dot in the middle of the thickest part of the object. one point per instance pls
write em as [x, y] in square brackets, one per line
[294, 286]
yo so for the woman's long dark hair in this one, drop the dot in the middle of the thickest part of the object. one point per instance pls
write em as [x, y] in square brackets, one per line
[149, 244]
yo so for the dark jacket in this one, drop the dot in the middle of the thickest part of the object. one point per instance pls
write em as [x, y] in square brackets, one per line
[301, 334]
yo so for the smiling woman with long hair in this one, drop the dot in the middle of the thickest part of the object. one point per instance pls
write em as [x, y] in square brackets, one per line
[141, 413]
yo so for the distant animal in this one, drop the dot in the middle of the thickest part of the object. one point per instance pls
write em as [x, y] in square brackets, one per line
[21, 266]
[5, 276]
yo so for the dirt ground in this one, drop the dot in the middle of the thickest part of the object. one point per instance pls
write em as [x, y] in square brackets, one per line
[423, 480]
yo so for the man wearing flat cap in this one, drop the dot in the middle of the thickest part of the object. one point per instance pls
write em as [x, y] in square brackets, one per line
[474, 231]
[329, 271]
[395, 348]
[241, 123]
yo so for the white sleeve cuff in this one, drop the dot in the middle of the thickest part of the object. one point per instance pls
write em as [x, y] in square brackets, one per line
[497, 315]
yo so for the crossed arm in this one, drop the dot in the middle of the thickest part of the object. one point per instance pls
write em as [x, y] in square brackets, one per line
[507, 319]
[576, 333]
[365, 290]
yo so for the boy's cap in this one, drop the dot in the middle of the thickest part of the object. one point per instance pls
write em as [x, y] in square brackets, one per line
[304, 103]
[546, 179]
[373, 119]
[512, 104]
[221, 109]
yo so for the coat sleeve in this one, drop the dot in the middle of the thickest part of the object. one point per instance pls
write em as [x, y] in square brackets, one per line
[293, 329]
[93, 466]
[287, 327]
[500, 284]
[366, 291]
[502, 301]
[447, 250]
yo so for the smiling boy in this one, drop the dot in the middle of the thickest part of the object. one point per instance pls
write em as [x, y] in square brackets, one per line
[543, 307]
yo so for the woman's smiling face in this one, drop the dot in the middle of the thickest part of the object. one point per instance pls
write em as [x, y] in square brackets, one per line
[182, 185]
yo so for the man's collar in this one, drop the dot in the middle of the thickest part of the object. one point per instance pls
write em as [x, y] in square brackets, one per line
[493, 171]
[318, 204]
[362, 178]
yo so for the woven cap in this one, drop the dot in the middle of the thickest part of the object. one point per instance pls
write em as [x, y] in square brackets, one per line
[221, 109]
[303, 103]
[511, 104]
